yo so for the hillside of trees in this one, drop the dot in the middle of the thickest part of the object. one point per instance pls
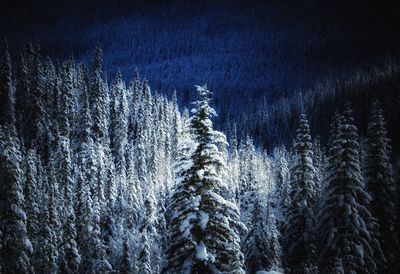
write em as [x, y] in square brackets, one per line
[250, 53]
[100, 175]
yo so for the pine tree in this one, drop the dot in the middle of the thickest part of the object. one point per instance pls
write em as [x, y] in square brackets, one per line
[23, 94]
[379, 180]
[203, 238]
[66, 101]
[16, 246]
[299, 244]
[7, 92]
[98, 100]
[38, 112]
[32, 197]
[274, 251]
[49, 249]
[97, 253]
[346, 240]
[143, 259]
[281, 198]
[260, 247]
[70, 253]
[84, 214]
[120, 137]
[126, 262]
[247, 181]
[71, 258]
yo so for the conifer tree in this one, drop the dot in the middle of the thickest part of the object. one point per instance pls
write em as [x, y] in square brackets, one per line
[346, 240]
[98, 100]
[16, 247]
[98, 256]
[7, 92]
[260, 247]
[247, 181]
[281, 194]
[121, 127]
[38, 113]
[379, 180]
[49, 246]
[299, 244]
[126, 262]
[274, 251]
[32, 197]
[143, 259]
[203, 238]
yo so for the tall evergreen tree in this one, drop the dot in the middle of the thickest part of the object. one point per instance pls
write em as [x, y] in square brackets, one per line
[260, 247]
[143, 259]
[7, 92]
[126, 266]
[281, 198]
[38, 113]
[299, 236]
[49, 245]
[379, 179]
[16, 246]
[346, 240]
[203, 237]
[31, 193]
[98, 100]
[98, 256]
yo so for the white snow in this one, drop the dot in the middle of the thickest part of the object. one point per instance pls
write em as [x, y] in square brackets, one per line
[200, 174]
[268, 272]
[201, 253]
[185, 226]
[203, 219]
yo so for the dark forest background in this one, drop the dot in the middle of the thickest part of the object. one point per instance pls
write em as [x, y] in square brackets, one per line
[259, 57]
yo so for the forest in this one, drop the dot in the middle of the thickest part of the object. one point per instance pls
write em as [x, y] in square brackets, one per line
[103, 175]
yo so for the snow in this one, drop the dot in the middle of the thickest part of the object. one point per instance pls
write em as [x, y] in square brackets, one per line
[187, 266]
[196, 200]
[185, 226]
[201, 253]
[268, 272]
[221, 200]
[204, 217]
[200, 174]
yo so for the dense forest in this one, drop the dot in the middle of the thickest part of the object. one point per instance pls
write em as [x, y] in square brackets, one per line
[255, 56]
[103, 175]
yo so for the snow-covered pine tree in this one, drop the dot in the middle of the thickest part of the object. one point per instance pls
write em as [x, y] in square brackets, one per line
[299, 236]
[70, 253]
[281, 198]
[31, 193]
[120, 136]
[379, 180]
[233, 166]
[23, 94]
[319, 161]
[98, 255]
[143, 259]
[71, 258]
[203, 238]
[260, 246]
[49, 246]
[346, 242]
[247, 181]
[7, 92]
[84, 224]
[274, 250]
[126, 266]
[98, 100]
[16, 246]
